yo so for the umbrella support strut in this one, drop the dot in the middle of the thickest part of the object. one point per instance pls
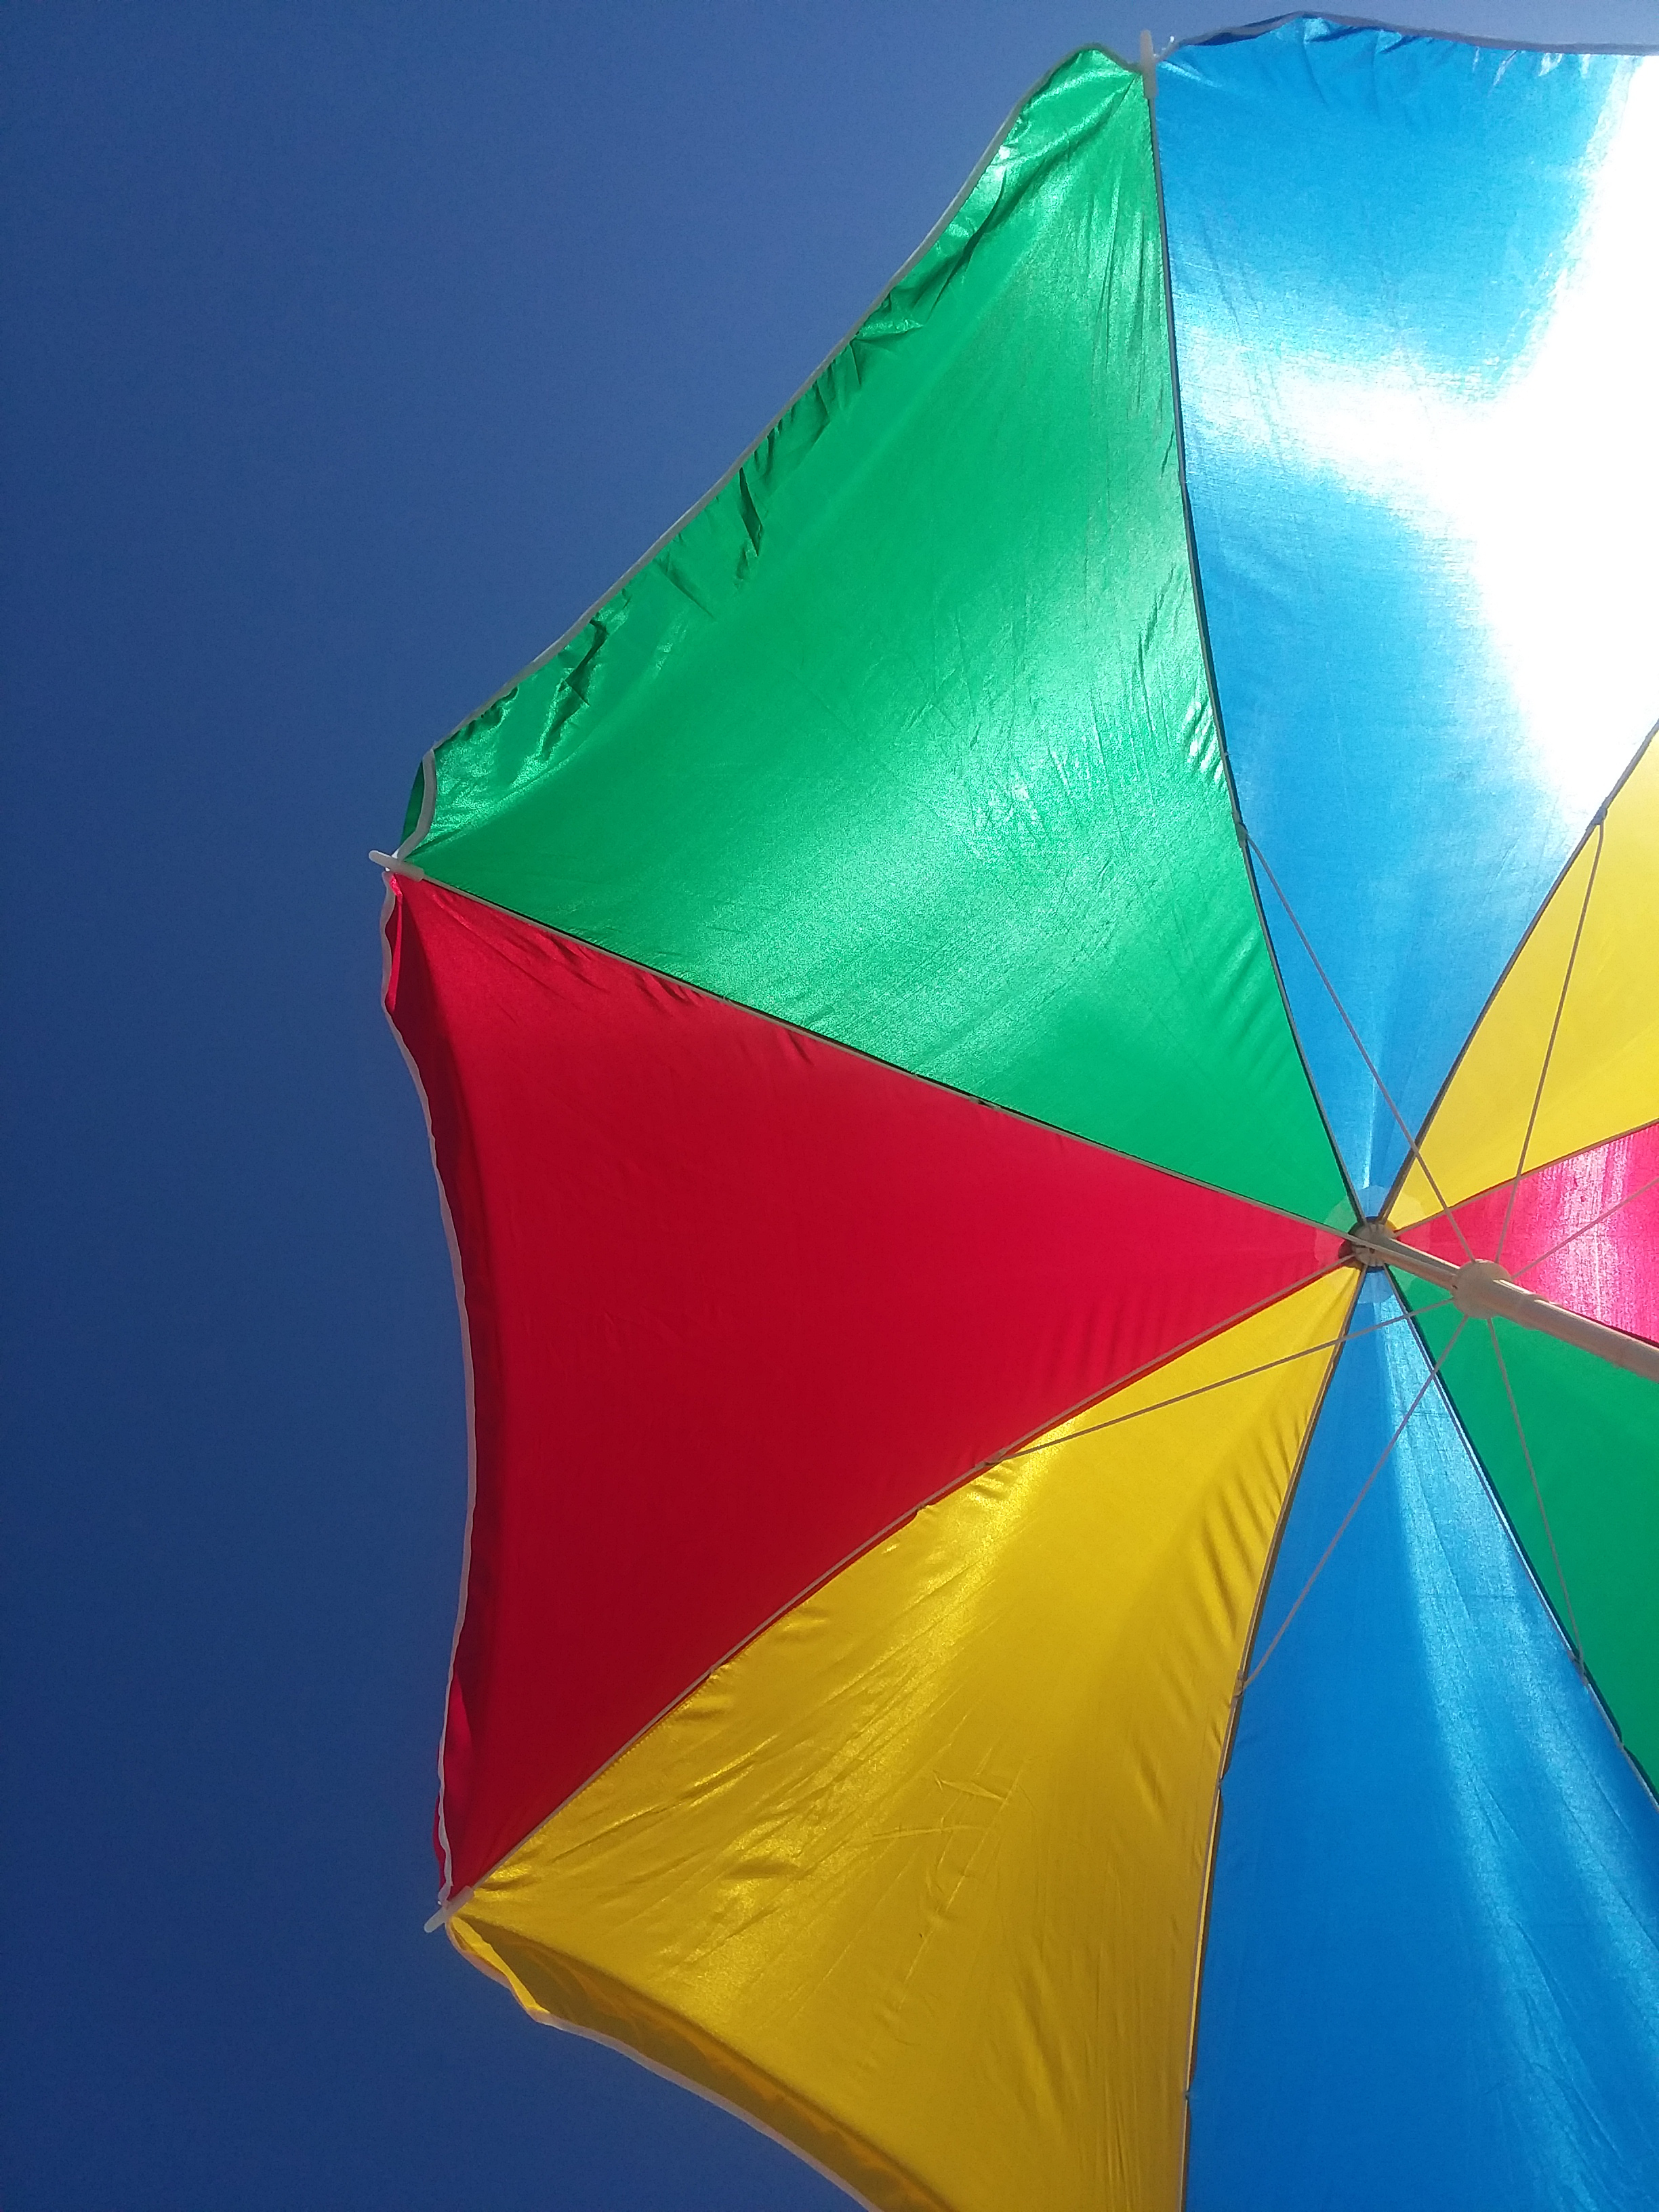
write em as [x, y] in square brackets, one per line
[1481, 1289]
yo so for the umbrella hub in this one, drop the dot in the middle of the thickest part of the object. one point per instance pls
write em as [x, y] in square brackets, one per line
[1372, 1244]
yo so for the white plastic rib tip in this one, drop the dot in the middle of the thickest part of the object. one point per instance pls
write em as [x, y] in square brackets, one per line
[1483, 1290]
[394, 867]
[447, 1911]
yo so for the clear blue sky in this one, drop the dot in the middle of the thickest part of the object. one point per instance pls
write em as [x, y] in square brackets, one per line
[349, 352]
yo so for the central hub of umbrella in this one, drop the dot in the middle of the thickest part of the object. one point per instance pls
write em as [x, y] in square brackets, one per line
[1369, 1245]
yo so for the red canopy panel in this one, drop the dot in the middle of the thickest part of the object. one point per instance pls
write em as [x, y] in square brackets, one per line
[737, 1301]
[1582, 1231]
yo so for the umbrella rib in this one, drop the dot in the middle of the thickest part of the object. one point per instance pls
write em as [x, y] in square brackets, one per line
[1360, 1046]
[1365, 1488]
[1549, 1049]
[1585, 1227]
[1202, 1389]
[1576, 1639]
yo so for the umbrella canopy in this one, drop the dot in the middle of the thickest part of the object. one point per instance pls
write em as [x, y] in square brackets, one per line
[1061, 1309]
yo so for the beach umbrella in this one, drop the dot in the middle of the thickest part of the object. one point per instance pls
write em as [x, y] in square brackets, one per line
[1041, 1045]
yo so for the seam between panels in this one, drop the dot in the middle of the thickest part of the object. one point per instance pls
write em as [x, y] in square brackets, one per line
[1596, 822]
[1202, 1944]
[874, 1059]
[1240, 832]
[706, 499]
[1241, 33]
[458, 1278]
[1020, 1445]
[1580, 1665]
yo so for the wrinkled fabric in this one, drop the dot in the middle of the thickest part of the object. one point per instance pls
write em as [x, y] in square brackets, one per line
[905, 737]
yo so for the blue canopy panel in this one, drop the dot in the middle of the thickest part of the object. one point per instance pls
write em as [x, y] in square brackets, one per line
[1432, 1973]
[1416, 289]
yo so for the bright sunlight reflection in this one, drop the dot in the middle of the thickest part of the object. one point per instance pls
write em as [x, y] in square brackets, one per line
[1540, 494]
